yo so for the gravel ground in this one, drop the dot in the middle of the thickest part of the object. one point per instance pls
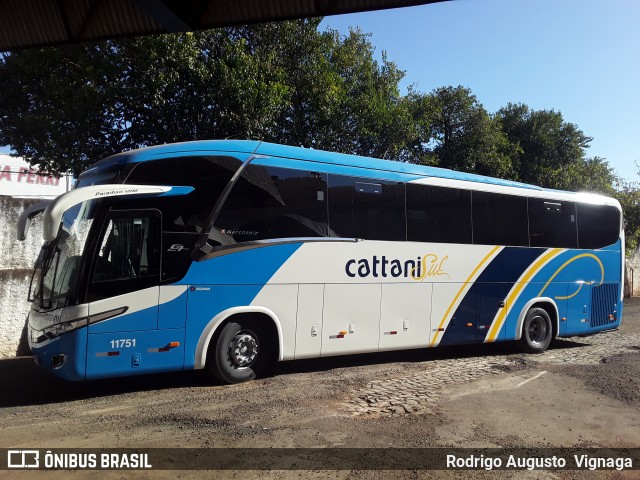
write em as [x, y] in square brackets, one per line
[616, 376]
[583, 392]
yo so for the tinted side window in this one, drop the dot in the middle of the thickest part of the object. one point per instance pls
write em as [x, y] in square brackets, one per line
[207, 175]
[438, 214]
[499, 219]
[271, 202]
[598, 225]
[552, 223]
[212, 171]
[366, 208]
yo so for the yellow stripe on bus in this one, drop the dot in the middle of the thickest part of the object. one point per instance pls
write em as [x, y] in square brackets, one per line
[517, 289]
[571, 260]
[464, 286]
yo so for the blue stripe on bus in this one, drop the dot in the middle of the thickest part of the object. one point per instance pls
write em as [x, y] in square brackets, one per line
[482, 301]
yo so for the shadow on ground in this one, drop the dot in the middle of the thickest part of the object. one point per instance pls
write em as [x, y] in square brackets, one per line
[24, 383]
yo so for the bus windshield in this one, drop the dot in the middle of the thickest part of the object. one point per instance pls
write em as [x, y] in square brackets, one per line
[57, 272]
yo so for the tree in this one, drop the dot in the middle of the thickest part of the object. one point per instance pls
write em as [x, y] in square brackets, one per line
[588, 175]
[547, 147]
[466, 137]
[628, 194]
[64, 108]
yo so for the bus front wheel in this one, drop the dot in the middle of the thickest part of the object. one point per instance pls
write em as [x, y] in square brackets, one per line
[536, 331]
[240, 353]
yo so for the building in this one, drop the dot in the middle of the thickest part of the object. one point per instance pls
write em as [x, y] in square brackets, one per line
[20, 187]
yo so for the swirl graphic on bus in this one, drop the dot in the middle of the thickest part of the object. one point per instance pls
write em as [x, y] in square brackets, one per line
[567, 263]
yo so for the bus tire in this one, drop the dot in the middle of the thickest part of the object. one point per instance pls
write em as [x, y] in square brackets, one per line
[537, 331]
[240, 353]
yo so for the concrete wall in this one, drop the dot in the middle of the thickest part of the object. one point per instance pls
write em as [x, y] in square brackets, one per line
[632, 275]
[16, 264]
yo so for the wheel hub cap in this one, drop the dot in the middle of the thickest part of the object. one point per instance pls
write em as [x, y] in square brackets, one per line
[537, 330]
[243, 349]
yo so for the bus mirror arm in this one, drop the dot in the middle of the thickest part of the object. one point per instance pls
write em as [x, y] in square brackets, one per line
[24, 221]
[215, 238]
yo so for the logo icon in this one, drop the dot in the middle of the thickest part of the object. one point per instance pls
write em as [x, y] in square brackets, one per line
[23, 459]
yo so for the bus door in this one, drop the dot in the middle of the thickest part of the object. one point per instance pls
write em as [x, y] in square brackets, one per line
[351, 318]
[491, 300]
[457, 304]
[124, 294]
[578, 308]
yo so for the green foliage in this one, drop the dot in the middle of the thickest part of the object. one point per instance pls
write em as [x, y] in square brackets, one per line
[628, 194]
[548, 148]
[466, 137]
[64, 108]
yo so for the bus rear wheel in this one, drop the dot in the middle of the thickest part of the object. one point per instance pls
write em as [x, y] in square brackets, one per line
[537, 331]
[240, 353]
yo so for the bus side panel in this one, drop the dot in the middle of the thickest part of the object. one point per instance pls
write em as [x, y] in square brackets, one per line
[225, 282]
[204, 303]
[141, 312]
[593, 292]
[577, 318]
[282, 300]
[460, 323]
[173, 307]
[455, 312]
[481, 313]
[134, 352]
[405, 317]
[568, 280]
[351, 318]
[309, 320]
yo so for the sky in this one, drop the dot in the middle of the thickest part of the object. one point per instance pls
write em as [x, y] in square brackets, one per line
[579, 57]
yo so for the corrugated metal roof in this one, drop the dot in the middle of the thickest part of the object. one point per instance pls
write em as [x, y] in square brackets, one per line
[34, 23]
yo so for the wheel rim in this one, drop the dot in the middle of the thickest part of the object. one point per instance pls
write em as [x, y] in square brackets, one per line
[243, 349]
[537, 331]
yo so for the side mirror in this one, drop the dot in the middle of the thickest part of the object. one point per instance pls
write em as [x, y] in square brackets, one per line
[24, 221]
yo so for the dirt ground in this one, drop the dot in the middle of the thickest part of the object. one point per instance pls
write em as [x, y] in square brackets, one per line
[583, 392]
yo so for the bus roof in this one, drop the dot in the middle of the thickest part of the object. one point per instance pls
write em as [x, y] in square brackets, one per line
[247, 147]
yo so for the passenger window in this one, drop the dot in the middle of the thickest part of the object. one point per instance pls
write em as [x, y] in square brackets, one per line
[598, 225]
[366, 208]
[271, 202]
[438, 214]
[552, 224]
[499, 219]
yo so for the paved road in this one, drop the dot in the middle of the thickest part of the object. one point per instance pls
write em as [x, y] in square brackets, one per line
[582, 392]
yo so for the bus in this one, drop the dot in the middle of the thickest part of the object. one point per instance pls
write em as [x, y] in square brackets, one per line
[233, 256]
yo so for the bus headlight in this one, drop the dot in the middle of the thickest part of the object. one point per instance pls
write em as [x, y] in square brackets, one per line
[66, 327]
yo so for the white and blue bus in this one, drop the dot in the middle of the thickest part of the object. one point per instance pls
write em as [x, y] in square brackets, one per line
[234, 255]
